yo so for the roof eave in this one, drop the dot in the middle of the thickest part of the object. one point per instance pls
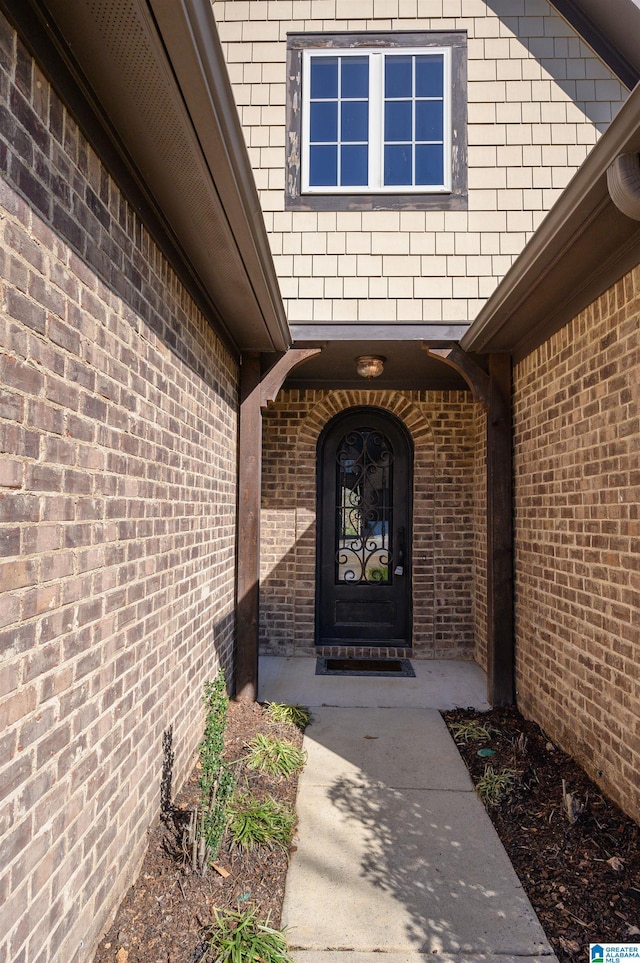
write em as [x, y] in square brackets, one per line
[607, 36]
[200, 202]
[583, 246]
[191, 39]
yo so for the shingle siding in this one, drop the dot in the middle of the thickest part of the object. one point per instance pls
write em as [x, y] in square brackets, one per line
[538, 99]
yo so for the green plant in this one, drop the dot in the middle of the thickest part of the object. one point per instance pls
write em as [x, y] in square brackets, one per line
[471, 730]
[378, 573]
[217, 780]
[295, 715]
[216, 703]
[253, 822]
[493, 787]
[277, 757]
[242, 938]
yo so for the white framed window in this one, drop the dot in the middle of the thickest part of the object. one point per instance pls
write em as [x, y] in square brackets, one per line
[376, 120]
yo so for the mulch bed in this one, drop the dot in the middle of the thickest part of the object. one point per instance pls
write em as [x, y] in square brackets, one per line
[166, 913]
[583, 879]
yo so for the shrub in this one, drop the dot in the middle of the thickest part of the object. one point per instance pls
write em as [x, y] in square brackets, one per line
[295, 715]
[253, 822]
[277, 757]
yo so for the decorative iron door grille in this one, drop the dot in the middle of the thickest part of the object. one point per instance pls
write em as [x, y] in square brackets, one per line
[364, 465]
[363, 592]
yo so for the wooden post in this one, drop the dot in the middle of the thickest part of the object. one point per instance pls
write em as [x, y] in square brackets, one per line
[249, 483]
[255, 393]
[500, 596]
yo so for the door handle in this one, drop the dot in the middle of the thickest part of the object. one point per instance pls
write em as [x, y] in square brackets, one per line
[399, 567]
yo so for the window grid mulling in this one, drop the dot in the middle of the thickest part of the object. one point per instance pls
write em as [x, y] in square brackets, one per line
[414, 98]
[377, 101]
[341, 141]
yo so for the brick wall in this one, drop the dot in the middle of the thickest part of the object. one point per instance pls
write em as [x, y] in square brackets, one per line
[441, 425]
[118, 425]
[538, 99]
[577, 490]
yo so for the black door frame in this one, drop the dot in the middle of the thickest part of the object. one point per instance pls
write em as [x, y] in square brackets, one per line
[325, 526]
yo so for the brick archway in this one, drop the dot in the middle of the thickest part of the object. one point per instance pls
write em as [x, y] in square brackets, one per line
[443, 426]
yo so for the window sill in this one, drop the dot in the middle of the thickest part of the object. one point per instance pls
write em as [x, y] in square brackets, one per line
[377, 202]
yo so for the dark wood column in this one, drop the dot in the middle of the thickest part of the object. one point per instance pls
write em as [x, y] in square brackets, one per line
[493, 392]
[500, 593]
[255, 393]
[249, 478]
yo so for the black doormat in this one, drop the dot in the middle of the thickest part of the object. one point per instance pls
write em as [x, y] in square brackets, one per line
[396, 668]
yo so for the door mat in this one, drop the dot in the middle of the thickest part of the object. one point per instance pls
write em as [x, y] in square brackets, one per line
[396, 668]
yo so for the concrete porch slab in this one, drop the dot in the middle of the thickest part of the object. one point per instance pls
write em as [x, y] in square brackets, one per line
[439, 684]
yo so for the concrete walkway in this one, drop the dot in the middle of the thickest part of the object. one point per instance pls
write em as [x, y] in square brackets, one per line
[396, 859]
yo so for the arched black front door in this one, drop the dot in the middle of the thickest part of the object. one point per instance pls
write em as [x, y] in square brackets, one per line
[363, 592]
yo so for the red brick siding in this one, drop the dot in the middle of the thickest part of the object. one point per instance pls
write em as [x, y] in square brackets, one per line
[118, 420]
[441, 425]
[577, 490]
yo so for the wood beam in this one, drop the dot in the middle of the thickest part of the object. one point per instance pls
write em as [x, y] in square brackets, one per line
[249, 484]
[476, 378]
[500, 581]
[275, 377]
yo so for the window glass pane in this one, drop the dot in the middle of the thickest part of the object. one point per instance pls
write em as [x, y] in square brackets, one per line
[397, 120]
[355, 77]
[354, 165]
[324, 77]
[397, 164]
[324, 121]
[323, 166]
[355, 120]
[429, 120]
[430, 76]
[350, 94]
[429, 164]
[397, 76]
[364, 509]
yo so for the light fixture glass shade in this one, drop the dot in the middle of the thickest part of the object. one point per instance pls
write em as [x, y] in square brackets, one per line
[370, 365]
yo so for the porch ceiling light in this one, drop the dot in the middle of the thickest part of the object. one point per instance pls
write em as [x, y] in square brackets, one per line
[370, 365]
